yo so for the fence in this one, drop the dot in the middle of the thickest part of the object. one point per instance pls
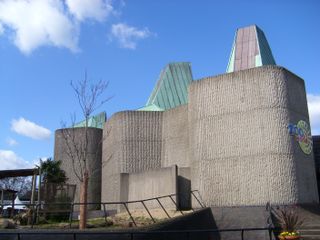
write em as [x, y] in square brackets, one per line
[131, 235]
[67, 208]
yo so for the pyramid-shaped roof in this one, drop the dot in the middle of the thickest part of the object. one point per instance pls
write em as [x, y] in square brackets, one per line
[250, 49]
[171, 89]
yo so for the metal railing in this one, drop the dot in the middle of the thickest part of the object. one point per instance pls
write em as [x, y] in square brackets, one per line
[182, 234]
[68, 208]
[269, 219]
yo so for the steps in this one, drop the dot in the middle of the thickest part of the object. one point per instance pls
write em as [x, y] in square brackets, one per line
[310, 234]
[310, 214]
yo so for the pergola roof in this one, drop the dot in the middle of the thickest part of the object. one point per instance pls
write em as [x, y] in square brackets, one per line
[8, 191]
[18, 173]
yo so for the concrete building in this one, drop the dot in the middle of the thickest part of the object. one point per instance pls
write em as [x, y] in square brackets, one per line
[240, 138]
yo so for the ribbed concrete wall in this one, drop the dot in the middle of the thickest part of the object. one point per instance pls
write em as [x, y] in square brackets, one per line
[232, 134]
[175, 137]
[93, 161]
[241, 151]
[132, 143]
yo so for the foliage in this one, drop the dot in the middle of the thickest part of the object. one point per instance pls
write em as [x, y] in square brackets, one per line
[288, 220]
[52, 172]
[286, 234]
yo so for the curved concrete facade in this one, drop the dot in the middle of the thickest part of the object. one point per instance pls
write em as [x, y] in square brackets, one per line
[233, 135]
[241, 151]
[132, 143]
[93, 160]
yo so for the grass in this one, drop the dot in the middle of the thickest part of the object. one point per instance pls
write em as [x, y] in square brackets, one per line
[119, 221]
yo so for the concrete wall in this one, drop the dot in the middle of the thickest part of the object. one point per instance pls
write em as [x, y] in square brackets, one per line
[136, 141]
[241, 152]
[150, 184]
[61, 152]
[316, 152]
[184, 188]
[175, 137]
[241, 217]
[132, 143]
[232, 134]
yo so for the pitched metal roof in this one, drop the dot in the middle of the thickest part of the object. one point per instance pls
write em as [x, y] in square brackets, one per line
[171, 89]
[151, 107]
[96, 121]
[250, 49]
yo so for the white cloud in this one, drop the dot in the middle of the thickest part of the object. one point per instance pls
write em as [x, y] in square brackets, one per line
[314, 112]
[31, 24]
[127, 36]
[1, 29]
[10, 160]
[11, 142]
[27, 128]
[38, 23]
[97, 10]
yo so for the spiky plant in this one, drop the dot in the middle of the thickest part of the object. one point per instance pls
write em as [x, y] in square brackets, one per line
[288, 219]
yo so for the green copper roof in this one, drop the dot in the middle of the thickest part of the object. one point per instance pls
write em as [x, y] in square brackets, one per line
[151, 107]
[171, 89]
[250, 49]
[265, 50]
[96, 121]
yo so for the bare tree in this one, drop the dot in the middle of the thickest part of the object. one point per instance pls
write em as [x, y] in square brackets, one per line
[20, 184]
[88, 96]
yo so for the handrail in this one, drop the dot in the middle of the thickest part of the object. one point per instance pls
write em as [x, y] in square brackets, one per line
[198, 200]
[120, 202]
[37, 208]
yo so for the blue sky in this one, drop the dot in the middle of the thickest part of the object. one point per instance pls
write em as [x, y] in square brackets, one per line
[44, 44]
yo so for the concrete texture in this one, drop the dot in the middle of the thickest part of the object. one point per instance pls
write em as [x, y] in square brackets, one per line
[132, 143]
[184, 188]
[61, 152]
[175, 137]
[316, 151]
[241, 152]
[232, 135]
[241, 217]
[150, 184]
[199, 220]
[136, 141]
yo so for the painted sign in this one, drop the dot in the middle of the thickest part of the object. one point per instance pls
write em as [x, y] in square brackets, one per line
[301, 132]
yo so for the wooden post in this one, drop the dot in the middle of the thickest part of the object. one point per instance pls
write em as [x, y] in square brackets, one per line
[39, 186]
[2, 199]
[1, 202]
[39, 193]
[12, 205]
[32, 190]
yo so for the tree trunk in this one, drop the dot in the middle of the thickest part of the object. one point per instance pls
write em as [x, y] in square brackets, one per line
[83, 200]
